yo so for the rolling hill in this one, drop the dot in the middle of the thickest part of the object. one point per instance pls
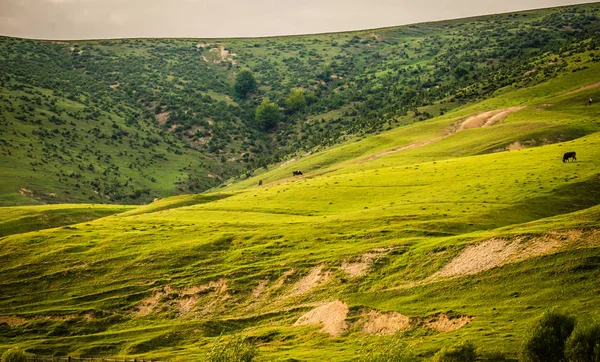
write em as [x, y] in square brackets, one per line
[131, 120]
[465, 226]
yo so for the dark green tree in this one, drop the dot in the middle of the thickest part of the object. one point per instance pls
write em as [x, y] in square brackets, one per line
[267, 114]
[245, 83]
[546, 340]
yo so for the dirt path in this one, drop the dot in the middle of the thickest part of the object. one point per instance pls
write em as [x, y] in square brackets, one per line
[585, 87]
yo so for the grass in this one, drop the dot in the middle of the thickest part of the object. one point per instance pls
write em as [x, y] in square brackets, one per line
[169, 279]
[77, 289]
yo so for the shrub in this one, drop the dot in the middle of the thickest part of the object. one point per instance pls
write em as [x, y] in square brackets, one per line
[237, 349]
[14, 355]
[464, 352]
[546, 340]
[584, 344]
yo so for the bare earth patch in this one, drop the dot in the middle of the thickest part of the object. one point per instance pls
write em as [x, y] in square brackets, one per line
[487, 119]
[442, 323]
[361, 266]
[314, 278]
[484, 119]
[497, 252]
[25, 192]
[585, 87]
[12, 320]
[376, 322]
[332, 315]
[162, 117]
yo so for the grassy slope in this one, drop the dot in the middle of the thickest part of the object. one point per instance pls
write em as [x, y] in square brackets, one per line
[77, 289]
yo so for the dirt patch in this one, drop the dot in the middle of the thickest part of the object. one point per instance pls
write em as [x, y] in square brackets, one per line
[260, 288]
[442, 323]
[288, 162]
[187, 305]
[487, 119]
[279, 282]
[149, 304]
[314, 278]
[113, 86]
[585, 87]
[25, 192]
[515, 146]
[162, 117]
[361, 266]
[496, 252]
[12, 320]
[484, 119]
[376, 322]
[332, 315]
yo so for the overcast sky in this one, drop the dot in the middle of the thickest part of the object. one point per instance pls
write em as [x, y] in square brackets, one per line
[85, 19]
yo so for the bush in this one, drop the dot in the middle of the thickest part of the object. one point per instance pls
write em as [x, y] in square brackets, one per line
[546, 340]
[14, 355]
[584, 345]
[464, 352]
[237, 349]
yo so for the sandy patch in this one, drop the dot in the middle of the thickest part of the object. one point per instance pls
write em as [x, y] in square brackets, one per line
[376, 322]
[162, 117]
[314, 278]
[288, 162]
[187, 305]
[585, 87]
[279, 282]
[496, 252]
[361, 266]
[149, 304]
[332, 315]
[487, 119]
[260, 288]
[484, 119]
[515, 146]
[113, 86]
[25, 192]
[12, 320]
[442, 323]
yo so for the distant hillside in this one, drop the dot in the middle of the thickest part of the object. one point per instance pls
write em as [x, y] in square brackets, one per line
[125, 121]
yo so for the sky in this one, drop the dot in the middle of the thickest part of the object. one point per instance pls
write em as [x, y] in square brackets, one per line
[101, 19]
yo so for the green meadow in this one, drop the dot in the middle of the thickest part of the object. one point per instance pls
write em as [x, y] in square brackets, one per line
[428, 235]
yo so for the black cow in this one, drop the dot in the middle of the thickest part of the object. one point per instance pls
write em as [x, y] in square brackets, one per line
[569, 155]
[297, 173]
[259, 182]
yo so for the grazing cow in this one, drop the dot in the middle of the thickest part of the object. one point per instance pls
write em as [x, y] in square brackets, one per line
[569, 155]
[259, 182]
[590, 101]
[297, 173]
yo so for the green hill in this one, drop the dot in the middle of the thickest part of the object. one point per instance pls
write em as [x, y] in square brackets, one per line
[466, 226]
[130, 120]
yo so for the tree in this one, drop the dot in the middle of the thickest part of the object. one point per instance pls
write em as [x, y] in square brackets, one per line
[296, 101]
[546, 340]
[267, 114]
[245, 83]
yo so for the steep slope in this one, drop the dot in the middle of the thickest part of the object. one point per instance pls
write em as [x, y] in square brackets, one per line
[439, 234]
